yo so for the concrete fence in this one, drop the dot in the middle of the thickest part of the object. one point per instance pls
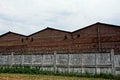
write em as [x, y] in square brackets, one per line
[76, 62]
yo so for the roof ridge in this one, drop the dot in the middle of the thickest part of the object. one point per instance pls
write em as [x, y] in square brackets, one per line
[49, 28]
[96, 24]
[12, 33]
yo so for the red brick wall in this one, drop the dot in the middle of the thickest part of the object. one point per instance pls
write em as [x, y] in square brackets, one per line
[97, 37]
[87, 41]
[11, 42]
[110, 38]
[50, 40]
[94, 38]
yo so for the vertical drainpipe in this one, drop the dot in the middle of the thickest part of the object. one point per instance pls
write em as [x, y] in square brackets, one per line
[71, 43]
[99, 48]
[27, 46]
[98, 36]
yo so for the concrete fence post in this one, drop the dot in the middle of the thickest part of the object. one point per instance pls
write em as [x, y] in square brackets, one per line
[32, 60]
[22, 62]
[54, 63]
[112, 61]
[42, 61]
[68, 63]
[12, 59]
[81, 63]
[1, 60]
[96, 63]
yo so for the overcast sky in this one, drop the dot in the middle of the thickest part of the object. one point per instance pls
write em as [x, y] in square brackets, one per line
[28, 16]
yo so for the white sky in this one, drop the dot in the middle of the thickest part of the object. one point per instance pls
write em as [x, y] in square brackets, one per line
[28, 16]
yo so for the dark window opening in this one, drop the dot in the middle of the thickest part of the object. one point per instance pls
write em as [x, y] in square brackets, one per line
[78, 35]
[26, 38]
[31, 39]
[65, 37]
[22, 40]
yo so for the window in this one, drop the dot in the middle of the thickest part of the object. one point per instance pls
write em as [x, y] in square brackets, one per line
[22, 40]
[31, 39]
[78, 35]
[65, 37]
[26, 38]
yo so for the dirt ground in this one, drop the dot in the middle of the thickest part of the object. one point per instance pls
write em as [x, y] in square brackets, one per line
[40, 77]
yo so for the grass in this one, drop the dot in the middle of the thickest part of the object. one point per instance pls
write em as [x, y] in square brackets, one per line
[37, 71]
[6, 76]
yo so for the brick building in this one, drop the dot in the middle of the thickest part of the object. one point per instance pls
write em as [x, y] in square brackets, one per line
[49, 40]
[98, 37]
[12, 42]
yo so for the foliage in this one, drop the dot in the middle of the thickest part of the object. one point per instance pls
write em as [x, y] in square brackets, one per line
[35, 70]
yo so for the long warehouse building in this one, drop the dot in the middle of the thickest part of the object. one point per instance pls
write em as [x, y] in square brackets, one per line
[98, 37]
